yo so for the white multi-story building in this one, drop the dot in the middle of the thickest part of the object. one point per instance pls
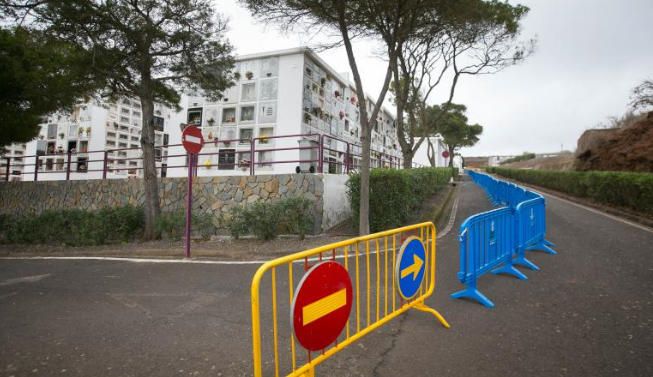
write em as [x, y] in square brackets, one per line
[284, 105]
[11, 161]
[97, 139]
[278, 96]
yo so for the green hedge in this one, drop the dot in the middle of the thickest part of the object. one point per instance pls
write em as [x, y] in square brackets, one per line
[266, 220]
[74, 227]
[396, 194]
[172, 225]
[624, 189]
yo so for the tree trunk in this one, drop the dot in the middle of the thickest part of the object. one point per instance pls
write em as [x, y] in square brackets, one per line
[430, 152]
[366, 135]
[150, 181]
[366, 122]
[408, 159]
[401, 95]
[451, 149]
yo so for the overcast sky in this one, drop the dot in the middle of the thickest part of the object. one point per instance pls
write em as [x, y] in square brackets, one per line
[590, 54]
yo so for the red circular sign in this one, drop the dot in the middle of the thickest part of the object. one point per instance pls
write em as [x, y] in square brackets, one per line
[445, 154]
[321, 306]
[192, 139]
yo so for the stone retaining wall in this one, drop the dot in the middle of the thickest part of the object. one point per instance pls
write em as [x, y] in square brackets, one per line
[210, 194]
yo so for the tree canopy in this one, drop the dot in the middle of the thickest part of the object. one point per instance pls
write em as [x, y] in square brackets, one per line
[449, 120]
[38, 75]
[146, 49]
[454, 39]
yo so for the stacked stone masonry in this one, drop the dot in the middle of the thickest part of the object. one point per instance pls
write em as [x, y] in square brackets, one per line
[211, 195]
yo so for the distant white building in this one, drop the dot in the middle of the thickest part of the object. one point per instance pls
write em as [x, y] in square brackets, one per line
[279, 96]
[102, 138]
[497, 160]
[421, 156]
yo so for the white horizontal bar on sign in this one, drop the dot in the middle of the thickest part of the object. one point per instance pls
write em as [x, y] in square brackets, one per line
[193, 139]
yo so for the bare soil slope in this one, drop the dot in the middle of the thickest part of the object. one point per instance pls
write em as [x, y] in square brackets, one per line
[561, 162]
[629, 148]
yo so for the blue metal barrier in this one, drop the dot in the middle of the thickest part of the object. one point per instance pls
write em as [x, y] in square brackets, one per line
[497, 240]
[531, 228]
[487, 243]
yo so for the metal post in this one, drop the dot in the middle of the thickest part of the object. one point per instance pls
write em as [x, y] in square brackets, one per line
[8, 168]
[36, 168]
[347, 160]
[104, 165]
[320, 153]
[68, 166]
[252, 150]
[189, 203]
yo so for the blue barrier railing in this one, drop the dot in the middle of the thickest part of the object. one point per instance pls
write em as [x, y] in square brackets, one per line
[497, 240]
[487, 243]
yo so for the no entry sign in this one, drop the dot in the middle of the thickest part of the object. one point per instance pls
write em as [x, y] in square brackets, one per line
[192, 139]
[321, 306]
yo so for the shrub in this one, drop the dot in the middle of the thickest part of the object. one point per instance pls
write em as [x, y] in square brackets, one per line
[172, 225]
[263, 219]
[296, 216]
[74, 227]
[624, 189]
[395, 194]
[266, 220]
[237, 223]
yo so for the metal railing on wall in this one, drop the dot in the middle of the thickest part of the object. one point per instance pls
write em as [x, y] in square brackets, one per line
[318, 153]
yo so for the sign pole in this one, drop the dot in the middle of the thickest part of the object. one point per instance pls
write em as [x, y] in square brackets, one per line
[192, 140]
[189, 202]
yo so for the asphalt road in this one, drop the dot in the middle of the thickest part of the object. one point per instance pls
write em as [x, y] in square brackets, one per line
[588, 312]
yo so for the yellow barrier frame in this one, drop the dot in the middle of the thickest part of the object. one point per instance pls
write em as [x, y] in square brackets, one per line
[427, 236]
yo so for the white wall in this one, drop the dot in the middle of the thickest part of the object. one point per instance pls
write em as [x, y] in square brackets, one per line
[336, 207]
[289, 111]
[421, 156]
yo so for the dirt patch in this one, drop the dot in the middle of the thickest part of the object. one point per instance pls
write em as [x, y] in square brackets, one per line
[629, 148]
[561, 162]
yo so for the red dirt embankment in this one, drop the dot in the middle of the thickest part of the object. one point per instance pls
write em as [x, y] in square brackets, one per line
[629, 148]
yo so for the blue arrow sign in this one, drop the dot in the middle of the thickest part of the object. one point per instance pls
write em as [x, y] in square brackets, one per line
[411, 264]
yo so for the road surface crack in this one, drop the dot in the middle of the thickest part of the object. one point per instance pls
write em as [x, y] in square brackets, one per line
[386, 352]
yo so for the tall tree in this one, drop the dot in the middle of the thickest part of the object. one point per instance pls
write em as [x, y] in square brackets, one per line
[389, 21]
[449, 120]
[145, 49]
[469, 37]
[32, 64]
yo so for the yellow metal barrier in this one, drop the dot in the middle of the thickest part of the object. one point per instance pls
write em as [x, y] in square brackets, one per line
[278, 343]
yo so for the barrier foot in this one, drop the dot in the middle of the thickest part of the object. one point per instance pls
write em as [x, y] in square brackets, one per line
[542, 247]
[424, 308]
[474, 294]
[549, 243]
[522, 261]
[510, 270]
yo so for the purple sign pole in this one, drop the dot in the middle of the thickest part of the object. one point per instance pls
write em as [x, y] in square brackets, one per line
[189, 202]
